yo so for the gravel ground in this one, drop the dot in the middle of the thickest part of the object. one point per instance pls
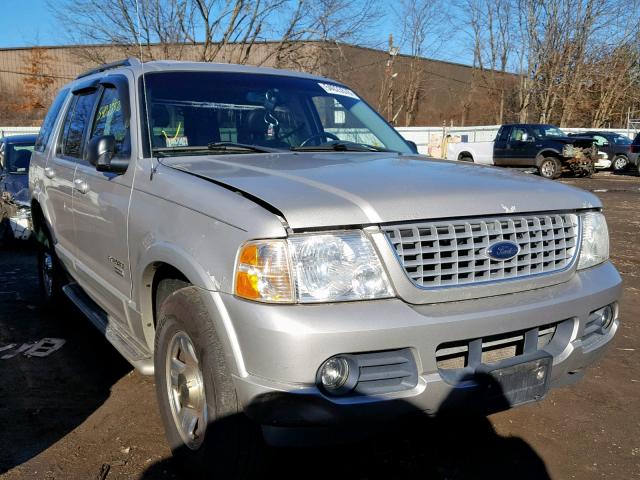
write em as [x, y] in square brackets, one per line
[82, 412]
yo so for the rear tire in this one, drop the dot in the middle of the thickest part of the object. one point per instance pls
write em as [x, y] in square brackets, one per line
[50, 272]
[550, 168]
[620, 163]
[204, 425]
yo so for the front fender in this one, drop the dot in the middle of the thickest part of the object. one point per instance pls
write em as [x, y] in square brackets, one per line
[173, 255]
[546, 152]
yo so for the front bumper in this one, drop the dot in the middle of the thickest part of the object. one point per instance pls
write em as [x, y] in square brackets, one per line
[282, 347]
[21, 225]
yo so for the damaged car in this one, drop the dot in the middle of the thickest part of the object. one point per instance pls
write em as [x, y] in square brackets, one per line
[15, 213]
[268, 247]
[545, 148]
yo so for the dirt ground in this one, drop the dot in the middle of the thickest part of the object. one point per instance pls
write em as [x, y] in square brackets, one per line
[83, 413]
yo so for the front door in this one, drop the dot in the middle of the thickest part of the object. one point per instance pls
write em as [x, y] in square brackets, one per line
[520, 151]
[101, 202]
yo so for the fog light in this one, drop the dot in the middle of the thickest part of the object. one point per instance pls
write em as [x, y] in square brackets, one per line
[602, 317]
[334, 373]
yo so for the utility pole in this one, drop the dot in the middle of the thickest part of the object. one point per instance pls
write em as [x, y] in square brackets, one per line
[390, 77]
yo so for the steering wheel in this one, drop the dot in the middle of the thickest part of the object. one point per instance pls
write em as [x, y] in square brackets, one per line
[320, 135]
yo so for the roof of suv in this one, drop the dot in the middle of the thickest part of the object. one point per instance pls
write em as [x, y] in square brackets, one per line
[181, 66]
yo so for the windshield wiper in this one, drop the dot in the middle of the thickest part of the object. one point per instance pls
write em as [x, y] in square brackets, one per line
[230, 147]
[342, 146]
[239, 146]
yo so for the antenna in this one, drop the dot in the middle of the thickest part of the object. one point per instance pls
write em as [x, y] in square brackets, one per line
[154, 167]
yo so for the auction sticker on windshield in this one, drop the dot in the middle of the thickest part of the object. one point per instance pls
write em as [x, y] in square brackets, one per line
[337, 90]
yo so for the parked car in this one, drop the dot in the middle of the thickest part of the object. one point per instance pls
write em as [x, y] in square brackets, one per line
[634, 157]
[15, 215]
[616, 146]
[268, 247]
[544, 147]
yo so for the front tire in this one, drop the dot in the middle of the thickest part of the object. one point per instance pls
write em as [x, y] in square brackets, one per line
[205, 427]
[550, 168]
[620, 163]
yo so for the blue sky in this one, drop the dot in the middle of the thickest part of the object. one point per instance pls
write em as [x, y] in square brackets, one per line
[29, 22]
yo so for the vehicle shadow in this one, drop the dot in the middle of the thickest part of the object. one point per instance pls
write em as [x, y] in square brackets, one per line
[454, 444]
[42, 399]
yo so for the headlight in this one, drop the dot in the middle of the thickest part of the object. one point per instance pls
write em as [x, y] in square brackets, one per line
[321, 267]
[595, 240]
[334, 267]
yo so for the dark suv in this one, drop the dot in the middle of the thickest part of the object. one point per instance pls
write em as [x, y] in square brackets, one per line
[15, 216]
[617, 147]
[635, 152]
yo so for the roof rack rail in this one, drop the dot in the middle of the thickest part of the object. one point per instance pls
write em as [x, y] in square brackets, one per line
[127, 62]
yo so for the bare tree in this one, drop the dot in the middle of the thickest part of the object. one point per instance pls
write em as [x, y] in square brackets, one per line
[419, 20]
[491, 28]
[216, 30]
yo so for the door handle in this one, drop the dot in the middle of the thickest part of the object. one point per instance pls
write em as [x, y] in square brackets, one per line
[49, 172]
[81, 185]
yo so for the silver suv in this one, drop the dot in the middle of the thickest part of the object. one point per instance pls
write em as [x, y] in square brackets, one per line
[276, 254]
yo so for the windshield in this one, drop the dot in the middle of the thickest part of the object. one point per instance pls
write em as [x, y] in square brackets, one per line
[18, 156]
[542, 131]
[190, 112]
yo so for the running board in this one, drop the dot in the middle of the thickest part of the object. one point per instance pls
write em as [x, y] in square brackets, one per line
[122, 341]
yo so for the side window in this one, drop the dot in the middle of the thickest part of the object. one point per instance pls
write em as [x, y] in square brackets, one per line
[518, 134]
[74, 125]
[504, 134]
[110, 121]
[600, 141]
[49, 121]
[2, 166]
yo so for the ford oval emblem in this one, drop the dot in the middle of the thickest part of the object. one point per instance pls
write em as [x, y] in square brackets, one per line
[503, 250]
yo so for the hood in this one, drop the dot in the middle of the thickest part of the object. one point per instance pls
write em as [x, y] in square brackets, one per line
[17, 187]
[339, 189]
[577, 141]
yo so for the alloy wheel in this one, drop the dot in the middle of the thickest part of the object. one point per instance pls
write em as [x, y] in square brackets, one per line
[185, 388]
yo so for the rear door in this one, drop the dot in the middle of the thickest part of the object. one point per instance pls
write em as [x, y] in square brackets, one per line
[60, 170]
[101, 202]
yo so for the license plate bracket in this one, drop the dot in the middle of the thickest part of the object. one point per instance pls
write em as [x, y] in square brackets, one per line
[517, 382]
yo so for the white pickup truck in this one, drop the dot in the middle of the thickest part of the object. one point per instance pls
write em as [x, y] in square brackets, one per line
[544, 147]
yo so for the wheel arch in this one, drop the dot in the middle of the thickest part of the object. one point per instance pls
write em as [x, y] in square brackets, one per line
[465, 154]
[547, 152]
[164, 262]
[40, 221]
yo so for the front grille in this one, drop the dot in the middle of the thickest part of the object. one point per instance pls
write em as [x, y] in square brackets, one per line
[493, 349]
[453, 252]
